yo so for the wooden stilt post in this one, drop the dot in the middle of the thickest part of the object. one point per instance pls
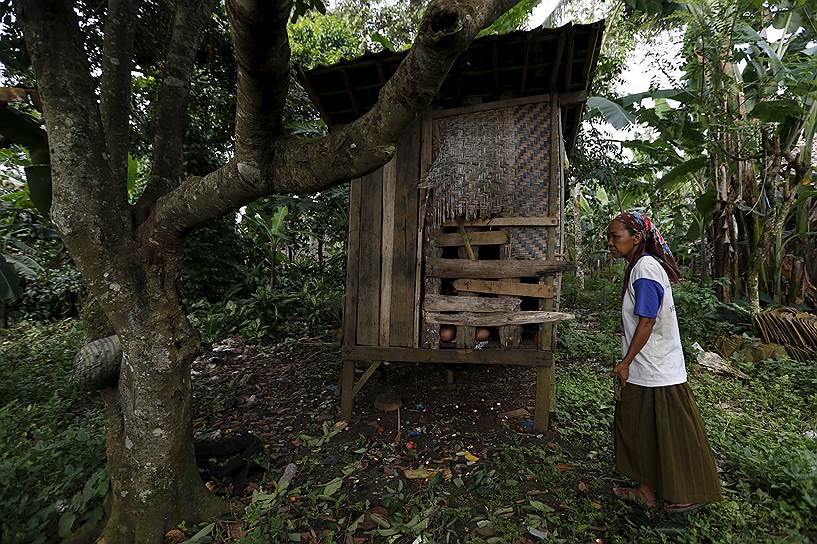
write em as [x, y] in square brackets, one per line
[544, 397]
[347, 395]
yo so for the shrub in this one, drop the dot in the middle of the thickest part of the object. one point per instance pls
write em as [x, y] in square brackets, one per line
[51, 436]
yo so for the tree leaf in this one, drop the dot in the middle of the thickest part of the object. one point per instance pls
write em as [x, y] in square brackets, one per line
[332, 487]
[202, 536]
[66, 522]
[38, 177]
[24, 266]
[680, 173]
[775, 111]
[612, 112]
[377, 37]
[9, 281]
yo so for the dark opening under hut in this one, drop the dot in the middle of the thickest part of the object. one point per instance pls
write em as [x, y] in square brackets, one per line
[455, 246]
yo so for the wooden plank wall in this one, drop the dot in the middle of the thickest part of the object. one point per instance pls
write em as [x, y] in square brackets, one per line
[382, 249]
[369, 259]
[404, 239]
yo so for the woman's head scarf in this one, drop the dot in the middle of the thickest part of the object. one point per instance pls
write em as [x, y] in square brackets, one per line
[652, 243]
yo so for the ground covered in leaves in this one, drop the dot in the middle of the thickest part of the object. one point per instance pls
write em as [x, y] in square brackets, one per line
[467, 468]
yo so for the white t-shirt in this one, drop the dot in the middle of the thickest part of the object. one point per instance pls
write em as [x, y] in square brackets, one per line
[649, 294]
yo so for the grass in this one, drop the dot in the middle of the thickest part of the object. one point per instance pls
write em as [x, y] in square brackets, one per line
[51, 436]
[553, 489]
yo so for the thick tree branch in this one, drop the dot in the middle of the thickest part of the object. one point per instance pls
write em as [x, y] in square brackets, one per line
[259, 31]
[171, 102]
[447, 29]
[114, 103]
[290, 165]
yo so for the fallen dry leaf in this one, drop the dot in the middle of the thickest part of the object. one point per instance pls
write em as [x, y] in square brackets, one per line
[561, 467]
[175, 536]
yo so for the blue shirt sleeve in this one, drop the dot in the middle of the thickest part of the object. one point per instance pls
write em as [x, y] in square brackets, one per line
[648, 296]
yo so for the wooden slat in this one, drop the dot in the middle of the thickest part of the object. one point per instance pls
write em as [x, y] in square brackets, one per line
[547, 221]
[495, 319]
[405, 263]
[545, 383]
[363, 379]
[425, 164]
[488, 238]
[504, 288]
[444, 303]
[352, 253]
[488, 106]
[458, 268]
[368, 304]
[520, 357]
[387, 250]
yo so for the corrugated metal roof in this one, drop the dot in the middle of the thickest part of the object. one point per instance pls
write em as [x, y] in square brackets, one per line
[523, 63]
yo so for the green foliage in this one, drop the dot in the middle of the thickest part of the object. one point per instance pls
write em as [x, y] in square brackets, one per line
[213, 259]
[51, 437]
[701, 316]
[305, 301]
[323, 39]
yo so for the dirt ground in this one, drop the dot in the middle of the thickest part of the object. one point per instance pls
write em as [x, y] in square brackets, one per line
[286, 396]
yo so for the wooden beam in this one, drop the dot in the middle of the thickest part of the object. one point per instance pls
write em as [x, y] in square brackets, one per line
[495, 65]
[519, 357]
[545, 221]
[310, 90]
[496, 319]
[352, 264]
[544, 392]
[365, 378]
[349, 91]
[570, 99]
[347, 380]
[504, 288]
[445, 303]
[387, 249]
[488, 106]
[525, 62]
[486, 238]
[554, 74]
[569, 64]
[458, 268]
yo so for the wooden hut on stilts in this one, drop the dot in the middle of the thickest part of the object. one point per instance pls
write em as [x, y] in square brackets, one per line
[462, 232]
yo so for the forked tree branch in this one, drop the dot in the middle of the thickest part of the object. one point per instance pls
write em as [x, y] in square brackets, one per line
[88, 206]
[171, 102]
[290, 165]
[114, 102]
[86, 202]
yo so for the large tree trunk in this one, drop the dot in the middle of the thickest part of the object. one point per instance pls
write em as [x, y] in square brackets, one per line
[155, 484]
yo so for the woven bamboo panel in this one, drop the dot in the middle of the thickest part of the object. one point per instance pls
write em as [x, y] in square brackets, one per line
[527, 194]
[493, 163]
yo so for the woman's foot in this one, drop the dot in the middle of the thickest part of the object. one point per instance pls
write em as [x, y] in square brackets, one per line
[677, 508]
[642, 495]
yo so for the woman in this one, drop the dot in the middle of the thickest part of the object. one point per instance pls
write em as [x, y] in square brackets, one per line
[660, 440]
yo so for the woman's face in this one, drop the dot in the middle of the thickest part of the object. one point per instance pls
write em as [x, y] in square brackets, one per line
[619, 240]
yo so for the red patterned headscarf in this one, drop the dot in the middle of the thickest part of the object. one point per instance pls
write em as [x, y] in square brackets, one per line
[651, 242]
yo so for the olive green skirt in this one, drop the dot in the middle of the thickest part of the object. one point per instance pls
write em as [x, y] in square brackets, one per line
[660, 441]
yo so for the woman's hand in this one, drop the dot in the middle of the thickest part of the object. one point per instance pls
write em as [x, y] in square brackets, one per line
[622, 370]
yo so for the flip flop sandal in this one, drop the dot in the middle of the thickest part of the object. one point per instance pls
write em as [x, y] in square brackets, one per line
[678, 508]
[630, 494]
